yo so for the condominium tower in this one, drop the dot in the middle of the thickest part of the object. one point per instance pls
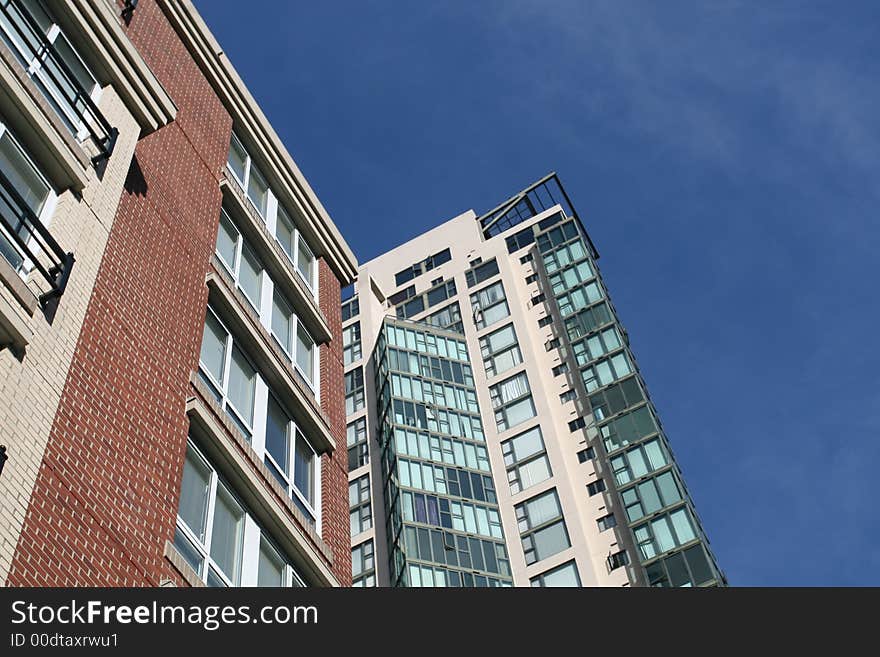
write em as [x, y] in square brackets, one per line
[499, 431]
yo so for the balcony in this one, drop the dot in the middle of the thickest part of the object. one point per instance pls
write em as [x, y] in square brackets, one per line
[27, 244]
[52, 64]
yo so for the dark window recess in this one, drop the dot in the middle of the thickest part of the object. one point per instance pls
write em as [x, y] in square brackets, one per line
[412, 307]
[441, 293]
[586, 454]
[437, 281]
[481, 272]
[526, 258]
[561, 369]
[579, 423]
[350, 309]
[538, 298]
[617, 560]
[521, 239]
[557, 236]
[419, 268]
[567, 396]
[533, 278]
[550, 345]
[544, 224]
[545, 321]
[402, 295]
[606, 522]
[475, 261]
[3, 457]
[596, 487]
[56, 76]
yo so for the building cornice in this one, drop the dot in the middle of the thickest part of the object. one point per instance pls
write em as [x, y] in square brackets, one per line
[96, 24]
[254, 128]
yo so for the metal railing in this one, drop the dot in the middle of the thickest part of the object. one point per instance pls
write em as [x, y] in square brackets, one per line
[26, 230]
[39, 48]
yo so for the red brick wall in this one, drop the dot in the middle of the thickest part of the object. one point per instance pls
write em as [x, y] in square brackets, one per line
[334, 469]
[106, 495]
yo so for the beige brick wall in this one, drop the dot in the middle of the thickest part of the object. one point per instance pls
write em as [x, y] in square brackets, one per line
[30, 387]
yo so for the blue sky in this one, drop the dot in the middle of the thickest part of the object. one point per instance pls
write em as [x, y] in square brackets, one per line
[725, 158]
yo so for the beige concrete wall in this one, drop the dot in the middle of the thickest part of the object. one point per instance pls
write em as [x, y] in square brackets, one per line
[31, 385]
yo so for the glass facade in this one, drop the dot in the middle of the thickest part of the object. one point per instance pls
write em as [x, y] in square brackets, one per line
[442, 520]
[670, 543]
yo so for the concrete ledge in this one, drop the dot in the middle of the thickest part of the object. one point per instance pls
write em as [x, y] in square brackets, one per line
[181, 566]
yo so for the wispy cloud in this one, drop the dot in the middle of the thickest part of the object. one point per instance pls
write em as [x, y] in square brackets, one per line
[689, 76]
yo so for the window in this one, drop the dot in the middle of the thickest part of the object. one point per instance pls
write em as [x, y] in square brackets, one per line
[587, 320]
[538, 298]
[596, 487]
[579, 423]
[440, 293]
[526, 460]
[690, 567]
[277, 218]
[238, 386]
[213, 530]
[627, 428]
[447, 318]
[596, 345]
[567, 396]
[521, 239]
[606, 371]
[665, 533]
[241, 261]
[293, 337]
[545, 321]
[354, 391]
[290, 458]
[650, 496]
[402, 295]
[562, 368]
[550, 345]
[616, 398]
[481, 272]
[541, 526]
[565, 575]
[44, 67]
[512, 401]
[606, 522]
[532, 278]
[617, 560]
[228, 372]
[350, 308]
[489, 305]
[500, 351]
[526, 258]
[363, 565]
[351, 343]
[638, 462]
[360, 516]
[586, 454]
[419, 268]
[579, 298]
[30, 185]
[356, 439]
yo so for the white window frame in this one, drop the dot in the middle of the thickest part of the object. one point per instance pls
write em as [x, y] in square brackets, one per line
[265, 307]
[252, 535]
[294, 436]
[46, 213]
[273, 212]
[34, 68]
[257, 430]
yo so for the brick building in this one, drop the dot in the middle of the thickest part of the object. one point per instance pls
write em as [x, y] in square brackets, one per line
[171, 373]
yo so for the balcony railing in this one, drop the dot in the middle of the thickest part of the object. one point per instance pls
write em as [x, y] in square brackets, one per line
[31, 44]
[33, 241]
